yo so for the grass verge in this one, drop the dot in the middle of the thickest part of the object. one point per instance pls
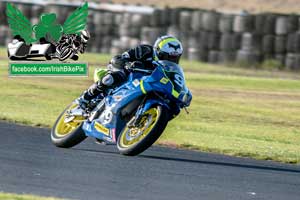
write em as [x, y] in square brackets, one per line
[10, 196]
[235, 111]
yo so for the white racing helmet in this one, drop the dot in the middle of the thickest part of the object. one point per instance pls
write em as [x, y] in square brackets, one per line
[84, 36]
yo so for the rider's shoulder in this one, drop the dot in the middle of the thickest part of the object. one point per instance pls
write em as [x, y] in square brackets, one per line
[146, 46]
[142, 47]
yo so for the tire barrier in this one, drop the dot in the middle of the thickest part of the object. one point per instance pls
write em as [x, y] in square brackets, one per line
[245, 56]
[184, 38]
[293, 22]
[150, 34]
[230, 42]
[193, 54]
[227, 56]
[259, 24]
[280, 58]
[293, 43]
[214, 40]
[156, 18]
[292, 61]
[280, 44]
[281, 26]
[2, 14]
[185, 20]
[213, 56]
[3, 34]
[175, 16]
[268, 45]
[206, 35]
[174, 30]
[251, 42]
[265, 24]
[203, 54]
[196, 23]
[194, 40]
[226, 23]
[210, 21]
[243, 23]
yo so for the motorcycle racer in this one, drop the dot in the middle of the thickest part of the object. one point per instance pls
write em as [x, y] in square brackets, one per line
[70, 44]
[165, 48]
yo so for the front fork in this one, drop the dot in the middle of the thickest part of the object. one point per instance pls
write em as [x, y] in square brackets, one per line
[146, 105]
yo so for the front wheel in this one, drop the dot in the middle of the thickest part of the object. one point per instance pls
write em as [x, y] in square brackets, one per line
[67, 130]
[134, 140]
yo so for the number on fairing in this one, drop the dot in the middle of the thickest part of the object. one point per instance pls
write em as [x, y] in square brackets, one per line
[107, 116]
[178, 80]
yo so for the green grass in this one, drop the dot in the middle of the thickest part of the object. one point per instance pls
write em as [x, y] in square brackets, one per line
[9, 196]
[235, 111]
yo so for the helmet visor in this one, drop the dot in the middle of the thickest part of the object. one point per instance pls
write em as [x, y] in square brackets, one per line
[166, 56]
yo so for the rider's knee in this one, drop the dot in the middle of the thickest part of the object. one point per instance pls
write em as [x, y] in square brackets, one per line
[108, 80]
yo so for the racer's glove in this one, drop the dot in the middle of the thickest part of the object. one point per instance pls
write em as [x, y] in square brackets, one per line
[187, 99]
[117, 62]
[130, 66]
[137, 66]
[83, 103]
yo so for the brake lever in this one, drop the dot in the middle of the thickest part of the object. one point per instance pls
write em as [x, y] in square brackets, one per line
[186, 110]
[142, 70]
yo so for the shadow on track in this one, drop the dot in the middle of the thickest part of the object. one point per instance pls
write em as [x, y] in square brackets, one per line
[96, 151]
[227, 164]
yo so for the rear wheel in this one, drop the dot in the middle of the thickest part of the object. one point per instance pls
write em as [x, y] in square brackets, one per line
[67, 130]
[134, 140]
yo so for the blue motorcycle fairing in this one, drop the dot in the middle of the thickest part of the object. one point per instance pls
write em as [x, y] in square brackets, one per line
[160, 82]
[109, 124]
[102, 132]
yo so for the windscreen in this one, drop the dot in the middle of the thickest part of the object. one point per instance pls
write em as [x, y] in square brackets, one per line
[175, 73]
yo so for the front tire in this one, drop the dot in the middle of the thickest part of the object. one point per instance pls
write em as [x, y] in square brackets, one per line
[134, 140]
[67, 134]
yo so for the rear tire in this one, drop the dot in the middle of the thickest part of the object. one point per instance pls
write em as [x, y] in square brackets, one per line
[70, 139]
[146, 141]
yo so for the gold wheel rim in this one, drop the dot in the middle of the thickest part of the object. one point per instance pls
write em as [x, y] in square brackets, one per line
[131, 136]
[62, 128]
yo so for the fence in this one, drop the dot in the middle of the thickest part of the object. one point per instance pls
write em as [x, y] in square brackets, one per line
[207, 36]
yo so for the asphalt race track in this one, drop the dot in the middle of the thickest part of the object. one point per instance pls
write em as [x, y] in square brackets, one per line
[29, 163]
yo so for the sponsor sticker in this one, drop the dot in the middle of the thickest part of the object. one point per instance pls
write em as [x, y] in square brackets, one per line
[164, 80]
[136, 82]
[117, 97]
[102, 129]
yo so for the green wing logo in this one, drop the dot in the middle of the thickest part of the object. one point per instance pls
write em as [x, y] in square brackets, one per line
[76, 22]
[19, 24]
[47, 27]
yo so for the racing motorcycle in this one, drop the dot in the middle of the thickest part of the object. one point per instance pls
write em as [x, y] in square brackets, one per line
[132, 116]
[69, 47]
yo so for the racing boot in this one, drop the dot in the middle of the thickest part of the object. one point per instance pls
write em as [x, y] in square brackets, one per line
[86, 98]
[109, 81]
[100, 87]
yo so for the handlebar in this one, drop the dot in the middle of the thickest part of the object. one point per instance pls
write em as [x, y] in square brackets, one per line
[142, 70]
